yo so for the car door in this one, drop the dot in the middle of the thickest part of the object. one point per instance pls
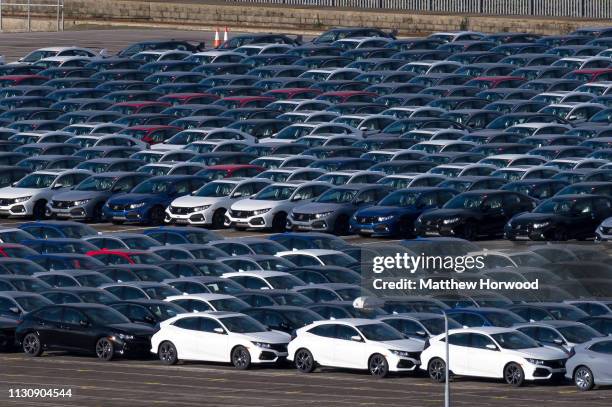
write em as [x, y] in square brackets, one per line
[321, 342]
[458, 352]
[183, 335]
[74, 331]
[600, 356]
[494, 216]
[346, 351]
[484, 357]
[211, 341]
[48, 323]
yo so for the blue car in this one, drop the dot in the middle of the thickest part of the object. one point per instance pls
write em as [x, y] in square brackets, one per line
[396, 213]
[59, 245]
[58, 229]
[146, 202]
[63, 261]
[309, 240]
[477, 317]
[173, 235]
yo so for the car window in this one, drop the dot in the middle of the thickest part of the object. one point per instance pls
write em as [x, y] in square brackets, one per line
[547, 335]
[72, 316]
[138, 313]
[53, 314]
[462, 339]
[480, 341]
[326, 330]
[190, 323]
[208, 325]
[345, 332]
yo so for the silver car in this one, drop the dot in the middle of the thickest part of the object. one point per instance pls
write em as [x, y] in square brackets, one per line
[590, 364]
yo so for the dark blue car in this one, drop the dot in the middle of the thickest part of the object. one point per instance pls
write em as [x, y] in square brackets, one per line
[58, 229]
[396, 213]
[146, 202]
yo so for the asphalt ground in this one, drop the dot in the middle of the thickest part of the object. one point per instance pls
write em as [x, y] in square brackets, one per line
[137, 383]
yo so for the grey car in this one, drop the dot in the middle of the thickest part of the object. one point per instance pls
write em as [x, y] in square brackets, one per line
[87, 199]
[590, 364]
[332, 211]
[564, 334]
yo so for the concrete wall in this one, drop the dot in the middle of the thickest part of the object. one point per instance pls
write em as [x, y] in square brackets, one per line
[287, 19]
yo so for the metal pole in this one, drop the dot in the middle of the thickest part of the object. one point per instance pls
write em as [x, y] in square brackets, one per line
[29, 17]
[57, 17]
[0, 15]
[62, 15]
[446, 371]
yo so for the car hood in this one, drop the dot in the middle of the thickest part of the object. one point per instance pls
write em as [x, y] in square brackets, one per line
[268, 336]
[190, 201]
[387, 211]
[10, 192]
[315, 207]
[132, 329]
[79, 195]
[131, 198]
[407, 345]
[544, 353]
[255, 204]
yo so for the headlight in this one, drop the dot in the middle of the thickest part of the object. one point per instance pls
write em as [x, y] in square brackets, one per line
[262, 345]
[22, 199]
[201, 208]
[385, 218]
[124, 337]
[538, 362]
[451, 220]
[261, 211]
[136, 205]
[400, 353]
[540, 225]
[323, 214]
[81, 202]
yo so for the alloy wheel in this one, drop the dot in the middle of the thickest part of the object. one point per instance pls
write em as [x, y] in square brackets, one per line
[378, 366]
[437, 370]
[31, 345]
[104, 349]
[583, 378]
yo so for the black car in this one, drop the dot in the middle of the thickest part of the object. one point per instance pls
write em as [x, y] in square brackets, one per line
[284, 318]
[561, 218]
[7, 334]
[82, 328]
[474, 214]
[148, 312]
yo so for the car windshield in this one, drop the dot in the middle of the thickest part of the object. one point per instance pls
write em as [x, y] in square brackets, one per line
[106, 316]
[101, 297]
[338, 259]
[153, 187]
[296, 299]
[36, 181]
[515, 340]
[301, 318]
[465, 202]
[567, 313]
[224, 287]
[140, 243]
[164, 311]
[436, 325]
[276, 193]
[402, 199]
[578, 334]
[30, 303]
[243, 325]
[284, 282]
[379, 332]
[561, 207]
[97, 184]
[16, 236]
[216, 189]
[145, 258]
[502, 319]
[229, 304]
[338, 196]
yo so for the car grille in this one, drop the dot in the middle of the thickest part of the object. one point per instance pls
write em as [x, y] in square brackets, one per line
[117, 207]
[303, 216]
[367, 219]
[176, 210]
[62, 204]
[279, 347]
[4, 202]
[241, 214]
[555, 364]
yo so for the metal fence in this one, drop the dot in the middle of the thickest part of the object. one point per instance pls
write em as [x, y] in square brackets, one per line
[593, 9]
[27, 10]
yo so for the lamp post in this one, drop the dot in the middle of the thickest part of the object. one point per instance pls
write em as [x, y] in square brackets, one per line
[446, 371]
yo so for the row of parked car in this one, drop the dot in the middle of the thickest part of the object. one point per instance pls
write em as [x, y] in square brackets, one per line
[188, 294]
[459, 134]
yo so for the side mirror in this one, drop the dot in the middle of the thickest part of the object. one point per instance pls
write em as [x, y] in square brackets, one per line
[558, 341]
[356, 338]
[220, 331]
[84, 322]
[490, 346]
[149, 319]
[15, 310]
[57, 186]
[421, 333]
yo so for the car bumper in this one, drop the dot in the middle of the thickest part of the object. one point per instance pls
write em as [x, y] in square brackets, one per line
[319, 225]
[75, 212]
[18, 209]
[252, 222]
[437, 230]
[374, 229]
[128, 215]
[264, 355]
[603, 235]
[533, 372]
[523, 232]
[137, 347]
[402, 363]
[193, 218]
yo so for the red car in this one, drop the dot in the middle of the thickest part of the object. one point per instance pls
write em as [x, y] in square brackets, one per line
[114, 257]
[152, 134]
[491, 82]
[189, 98]
[231, 170]
[590, 75]
[15, 250]
[135, 107]
[348, 96]
[293, 93]
[14, 80]
[235, 102]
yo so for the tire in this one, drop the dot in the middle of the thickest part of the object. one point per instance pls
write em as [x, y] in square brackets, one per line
[404, 230]
[279, 222]
[218, 219]
[469, 231]
[241, 358]
[378, 366]
[436, 369]
[31, 345]
[156, 216]
[40, 210]
[105, 350]
[341, 226]
[167, 353]
[514, 374]
[96, 215]
[304, 361]
[583, 378]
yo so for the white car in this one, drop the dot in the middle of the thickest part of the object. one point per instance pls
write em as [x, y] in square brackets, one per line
[205, 302]
[218, 337]
[590, 364]
[353, 343]
[265, 279]
[48, 52]
[318, 257]
[269, 208]
[208, 205]
[491, 352]
[29, 196]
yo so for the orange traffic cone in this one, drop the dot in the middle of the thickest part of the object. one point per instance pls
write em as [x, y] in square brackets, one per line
[217, 40]
[225, 35]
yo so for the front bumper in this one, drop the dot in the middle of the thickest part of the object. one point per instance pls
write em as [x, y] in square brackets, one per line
[375, 228]
[188, 218]
[18, 209]
[73, 212]
[433, 228]
[268, 355]
[250, 221]
[402, 363]
[139, 215]
[310, 223]
[525, 232]
[546, 372]
[603, 234]
[137, 347]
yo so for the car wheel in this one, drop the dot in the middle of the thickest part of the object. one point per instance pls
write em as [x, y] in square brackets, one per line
[514, 375]
[469, 231]
[559, 235]
[405, 231]
[241, 358]
[304, 361]
[437, 370]
[31, 345]
[583, 378]
[105, 350]
[279, 223]
[40, 210]
[167, 353]
[378, 366]
[341, 226]
[96, 216]
[218, 219]
[156, 216]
